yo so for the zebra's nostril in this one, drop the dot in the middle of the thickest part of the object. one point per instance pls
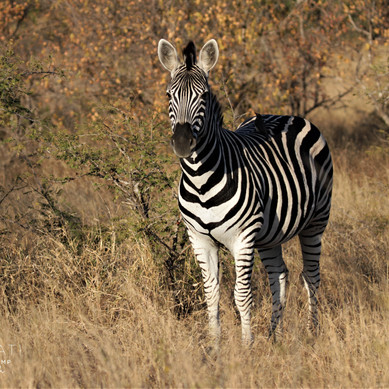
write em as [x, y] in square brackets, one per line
[183, 140]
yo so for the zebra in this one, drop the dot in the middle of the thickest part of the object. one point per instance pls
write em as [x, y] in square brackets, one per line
[253, 188]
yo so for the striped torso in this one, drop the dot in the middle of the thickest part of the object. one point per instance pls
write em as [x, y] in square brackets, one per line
[265, 186]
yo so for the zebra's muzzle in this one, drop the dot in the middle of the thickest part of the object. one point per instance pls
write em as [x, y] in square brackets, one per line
[183, 140]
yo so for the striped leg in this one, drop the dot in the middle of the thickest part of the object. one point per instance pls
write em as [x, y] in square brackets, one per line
[206, 253]
[244, 260]
[278, 278]
[311, 248]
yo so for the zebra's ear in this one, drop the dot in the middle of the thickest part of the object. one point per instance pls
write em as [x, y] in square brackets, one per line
[209, 55]
[168, 55]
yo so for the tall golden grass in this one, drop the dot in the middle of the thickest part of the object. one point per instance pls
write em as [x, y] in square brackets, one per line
[100, 318]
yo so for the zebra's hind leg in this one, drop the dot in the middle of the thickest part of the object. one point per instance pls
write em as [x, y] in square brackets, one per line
[311, 249]
[278, 279]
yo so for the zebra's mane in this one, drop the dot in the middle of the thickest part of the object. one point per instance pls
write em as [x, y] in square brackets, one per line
[189, 53]
[216, 109]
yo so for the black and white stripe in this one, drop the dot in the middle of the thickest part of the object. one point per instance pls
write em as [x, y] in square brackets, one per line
[254, 188]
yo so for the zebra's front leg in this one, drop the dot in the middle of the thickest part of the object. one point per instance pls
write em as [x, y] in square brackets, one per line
[278, 279]
[244, 259]
[206, 252]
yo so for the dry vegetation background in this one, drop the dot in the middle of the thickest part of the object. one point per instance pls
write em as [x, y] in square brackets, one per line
[98, 284]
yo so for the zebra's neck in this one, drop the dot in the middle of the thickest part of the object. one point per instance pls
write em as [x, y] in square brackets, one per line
[207, 165]
[210, 133]
[208, 143]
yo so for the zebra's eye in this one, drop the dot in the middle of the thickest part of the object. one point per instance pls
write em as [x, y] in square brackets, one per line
[204, 96]
[168, 95]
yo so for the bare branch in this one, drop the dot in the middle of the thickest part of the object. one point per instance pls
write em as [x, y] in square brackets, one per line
[45, 73]
[12, 189]
[358, 29]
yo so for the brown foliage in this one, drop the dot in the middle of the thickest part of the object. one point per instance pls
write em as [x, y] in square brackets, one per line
[275, 56]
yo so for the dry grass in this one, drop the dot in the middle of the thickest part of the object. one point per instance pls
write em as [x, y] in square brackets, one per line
[100, 318]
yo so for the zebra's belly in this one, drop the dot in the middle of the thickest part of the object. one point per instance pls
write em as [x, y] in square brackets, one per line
[281, 237]
[276, 230]
[228, 233]
[267, 231]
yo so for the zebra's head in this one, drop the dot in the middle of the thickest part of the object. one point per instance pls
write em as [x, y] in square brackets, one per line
[188, 92]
